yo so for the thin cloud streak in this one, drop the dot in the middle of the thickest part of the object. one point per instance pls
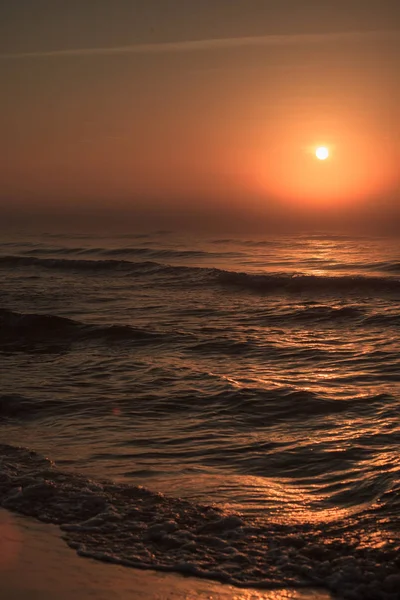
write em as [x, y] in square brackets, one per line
[211, 44]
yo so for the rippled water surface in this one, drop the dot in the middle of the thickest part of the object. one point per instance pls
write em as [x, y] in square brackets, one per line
[258, 375]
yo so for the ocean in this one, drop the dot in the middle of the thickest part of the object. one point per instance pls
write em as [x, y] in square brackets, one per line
[220, 406]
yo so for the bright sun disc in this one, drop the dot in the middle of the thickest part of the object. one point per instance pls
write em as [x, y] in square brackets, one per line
[322, 153]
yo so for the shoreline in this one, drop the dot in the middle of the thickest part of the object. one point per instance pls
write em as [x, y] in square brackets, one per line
[35, 563]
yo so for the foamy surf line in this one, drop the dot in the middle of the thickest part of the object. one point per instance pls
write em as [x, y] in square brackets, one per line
[51, 570]
[134, 527]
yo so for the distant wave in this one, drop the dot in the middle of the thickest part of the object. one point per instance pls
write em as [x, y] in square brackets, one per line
[300, 283]
[166, 253]
[163, 253]
[268, 283]
[73, 264]
[260, 243]
[391, 267]
[382, 267]
[98, 265]
[25, 331]
[135, 527]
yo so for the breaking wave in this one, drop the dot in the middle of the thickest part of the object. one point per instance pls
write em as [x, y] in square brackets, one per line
[268, 283]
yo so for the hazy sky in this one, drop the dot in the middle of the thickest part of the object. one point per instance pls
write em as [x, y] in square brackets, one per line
[194, 110]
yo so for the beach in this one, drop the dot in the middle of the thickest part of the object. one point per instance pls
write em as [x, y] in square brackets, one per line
[36, 564]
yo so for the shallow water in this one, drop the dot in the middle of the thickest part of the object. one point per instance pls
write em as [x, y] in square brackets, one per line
[260, 375]
[51, 570]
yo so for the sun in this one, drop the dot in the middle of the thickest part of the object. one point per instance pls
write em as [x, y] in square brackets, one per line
[322, 153]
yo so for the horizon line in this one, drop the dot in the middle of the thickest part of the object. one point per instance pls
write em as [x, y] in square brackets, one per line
[207, 44]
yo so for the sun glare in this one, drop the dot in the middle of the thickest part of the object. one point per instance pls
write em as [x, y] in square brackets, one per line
[322, 153]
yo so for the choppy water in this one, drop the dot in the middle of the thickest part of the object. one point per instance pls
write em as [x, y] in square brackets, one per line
[254, 382]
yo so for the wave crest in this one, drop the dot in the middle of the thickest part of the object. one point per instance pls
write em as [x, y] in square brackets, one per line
[268, 283]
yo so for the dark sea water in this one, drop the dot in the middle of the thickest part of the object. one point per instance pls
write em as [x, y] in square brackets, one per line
[223, 406]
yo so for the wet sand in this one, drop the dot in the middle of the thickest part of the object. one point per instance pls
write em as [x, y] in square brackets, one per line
[36, 564]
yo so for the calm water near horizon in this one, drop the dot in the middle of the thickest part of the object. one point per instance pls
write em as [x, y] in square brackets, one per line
[251, 384]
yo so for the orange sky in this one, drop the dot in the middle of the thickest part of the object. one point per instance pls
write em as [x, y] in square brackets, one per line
[221, 115]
